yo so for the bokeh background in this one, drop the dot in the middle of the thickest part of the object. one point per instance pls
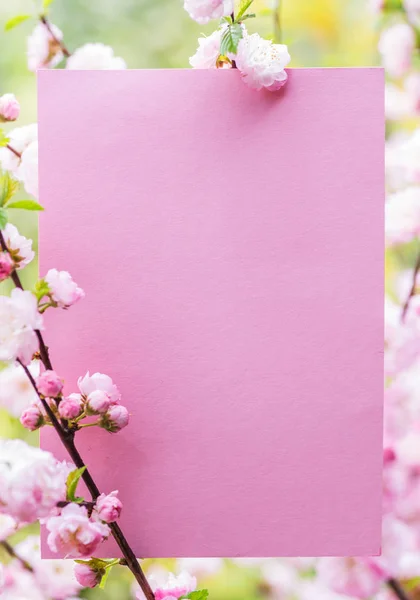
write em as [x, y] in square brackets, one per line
[159, 34]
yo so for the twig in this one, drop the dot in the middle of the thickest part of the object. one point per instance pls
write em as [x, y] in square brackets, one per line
[412, 290]
[15, 152]
[278, 35]
[60, 43]
[12, 552]
[397, 588]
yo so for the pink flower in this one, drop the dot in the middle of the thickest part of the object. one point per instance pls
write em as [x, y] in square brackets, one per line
[176, 586]
[396, 47]
[44, 50]
[32, 481]
[64, 290]
[98, 381]
[71, 406]
[402, 216]
[6, 265]
[19, 139]
[74, 534]
[208, 52]
[27, 172]
[204, 11]
[262, 63]
[87, 576]
[412, 7]
[350, 576]
[18, 246]
[32, 418]
[108, 507]
[8, 526]
[9, 108]
[95, 56]
[115, 419]
[19, 317]
[49, 384]
[98, 402]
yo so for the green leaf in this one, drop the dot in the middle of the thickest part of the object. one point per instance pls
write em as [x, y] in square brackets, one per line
[8, 187]
[46, 4]
[72, 482]
[25, 205]
[197, 595]
[104, 578]
[230, 39]
[3, 218]
[248, 16]
[227, 19]
[243, 7]
[15, 21]
[4, 140]
[41, 289]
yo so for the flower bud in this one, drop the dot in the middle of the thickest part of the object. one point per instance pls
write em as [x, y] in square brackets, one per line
[115, 419]
[108, 507]
[49, 384]
[9, 108]
[87, 576]
[98, 402]
[32, 418]
[71, 407]
[6, 265]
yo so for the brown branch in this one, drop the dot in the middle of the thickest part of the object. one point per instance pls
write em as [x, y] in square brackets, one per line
[397, 588]
[412, 290]
[60, 43]
[12, 552]
[15, 152]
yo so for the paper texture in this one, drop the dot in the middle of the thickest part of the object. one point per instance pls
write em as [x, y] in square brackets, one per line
[230, 244]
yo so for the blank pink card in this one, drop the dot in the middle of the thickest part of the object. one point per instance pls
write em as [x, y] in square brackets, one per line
[230, 244]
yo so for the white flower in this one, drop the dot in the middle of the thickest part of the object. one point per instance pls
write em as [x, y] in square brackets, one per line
[262, 63]
[28, 169]
[94, 56]
[204, 11]
[32, 481]
[396, 46]
[20, 138]
[402, 216]
[398, 103]
[8, 525]
[18, 245]
[19, 317]
[208, 52]
[409, 158]
[98, 381]
[63, 289]
[43, 49]
[412, 7]
[16, 391]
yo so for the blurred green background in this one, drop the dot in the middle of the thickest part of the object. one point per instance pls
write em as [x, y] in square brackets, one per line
[159, 34]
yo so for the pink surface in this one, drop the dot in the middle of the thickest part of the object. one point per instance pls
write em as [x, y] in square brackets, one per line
[230, 244]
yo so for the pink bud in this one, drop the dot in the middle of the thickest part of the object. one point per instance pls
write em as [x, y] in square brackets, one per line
[49, 384]
[115, 419]
[32, 418]
[71, 407]
[108, 507]
[98, 402]
[88, 576]
[6, 265]
[9, 108]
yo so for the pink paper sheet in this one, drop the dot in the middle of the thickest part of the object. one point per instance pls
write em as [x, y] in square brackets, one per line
[230, 244]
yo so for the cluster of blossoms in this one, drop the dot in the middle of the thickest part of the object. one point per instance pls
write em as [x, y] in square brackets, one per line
[260, 62]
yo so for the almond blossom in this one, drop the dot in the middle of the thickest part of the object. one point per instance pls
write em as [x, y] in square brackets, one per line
[19, 139]
[64, 291]
[9, 108]
[204, 11]
[19, 247]
[208, 52]
[262, 63]
[44, 50]
[402, 216]
[19, 318]
[98, 381]
[95, 56]
[396, 46]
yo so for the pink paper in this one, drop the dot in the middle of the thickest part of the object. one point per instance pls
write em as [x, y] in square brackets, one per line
[230, 244]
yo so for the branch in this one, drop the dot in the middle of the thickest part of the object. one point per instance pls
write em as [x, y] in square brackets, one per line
[60, 43]
[412, 290]
[12, 552]
[277, 22]
[397, 588]
[15, 152]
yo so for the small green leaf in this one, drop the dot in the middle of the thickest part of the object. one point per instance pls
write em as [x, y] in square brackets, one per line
[3, 218]
[230, 39]
[4, 140]
[248, 16]
[15, 21]
[41, 289]
[8, 187]
[46, 4]
[72, 482]
[227, 19]
[25, 205]
[197, 595]
[243, 7]
[104, 578]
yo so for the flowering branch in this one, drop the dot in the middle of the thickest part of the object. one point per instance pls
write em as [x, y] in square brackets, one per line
[57, 41]
[397, 588]
[412, 292]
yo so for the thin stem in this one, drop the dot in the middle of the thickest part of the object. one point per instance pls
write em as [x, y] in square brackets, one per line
[60, 43]
[397, 588]
[412, 290]
[15, 152]
[277, 22]
[12, 552]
